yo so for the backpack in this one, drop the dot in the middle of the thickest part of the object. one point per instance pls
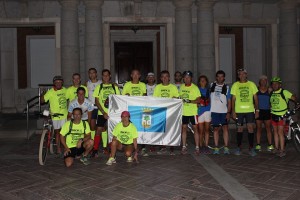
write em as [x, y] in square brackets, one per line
[204, 99]
[224, 88]
[101, 87]
[71, 126]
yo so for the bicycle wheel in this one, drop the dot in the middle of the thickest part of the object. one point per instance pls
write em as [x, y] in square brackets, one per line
[52, 142]
[43, 150]
[296, 139]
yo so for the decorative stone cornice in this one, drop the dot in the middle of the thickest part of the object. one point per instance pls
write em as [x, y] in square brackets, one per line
[93, 4]
[69, 4]
[183, 4]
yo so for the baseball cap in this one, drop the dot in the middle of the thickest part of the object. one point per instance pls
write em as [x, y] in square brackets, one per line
[187, 73]
[125, 114]
[58, 78]
[150, 74]
[242, 70]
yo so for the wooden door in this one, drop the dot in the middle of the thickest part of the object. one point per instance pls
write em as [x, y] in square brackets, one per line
[133, 55]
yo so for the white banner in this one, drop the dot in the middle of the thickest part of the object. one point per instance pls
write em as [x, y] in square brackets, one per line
[158, 120]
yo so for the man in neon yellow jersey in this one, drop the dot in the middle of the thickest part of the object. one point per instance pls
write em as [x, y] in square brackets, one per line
[136, 88]
[165, 90]
[75, 136]
[72, 90]
[190, 94]
[58, 105]
[101, 94]
[244, 107]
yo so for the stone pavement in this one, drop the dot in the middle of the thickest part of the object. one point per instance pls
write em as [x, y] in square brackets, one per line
[155, 177]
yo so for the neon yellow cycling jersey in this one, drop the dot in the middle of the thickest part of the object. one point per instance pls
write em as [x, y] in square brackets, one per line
[279, 106]
[125, 134]
[191, 92]
[77, 132]
[58, 102]
[244, 93]
[138, 89]
[103, 93]
[166, 91]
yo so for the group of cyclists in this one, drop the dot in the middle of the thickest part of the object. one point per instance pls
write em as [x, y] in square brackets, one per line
[83, 109]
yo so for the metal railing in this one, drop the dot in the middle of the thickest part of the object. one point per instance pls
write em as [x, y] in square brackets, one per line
[35, 101]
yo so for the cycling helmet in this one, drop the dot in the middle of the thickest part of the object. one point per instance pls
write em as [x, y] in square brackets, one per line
[58, 78]
[187, 73]
[276, 79]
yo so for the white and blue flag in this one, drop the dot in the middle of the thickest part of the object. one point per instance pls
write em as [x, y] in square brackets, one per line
[158, 120]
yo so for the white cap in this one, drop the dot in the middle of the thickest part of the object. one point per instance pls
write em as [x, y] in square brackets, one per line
[150, 74]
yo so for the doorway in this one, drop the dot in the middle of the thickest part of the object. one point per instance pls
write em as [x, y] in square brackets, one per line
[133, 55]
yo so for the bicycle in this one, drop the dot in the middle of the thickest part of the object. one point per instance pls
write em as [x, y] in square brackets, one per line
[47, 141]
[292, 129]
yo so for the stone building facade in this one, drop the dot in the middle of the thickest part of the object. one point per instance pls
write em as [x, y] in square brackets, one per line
[41, 38]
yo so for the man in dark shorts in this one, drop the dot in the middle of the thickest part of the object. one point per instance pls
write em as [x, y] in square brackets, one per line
[75, 136]
[244, 107]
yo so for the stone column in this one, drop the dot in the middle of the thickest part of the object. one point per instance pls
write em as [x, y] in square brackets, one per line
[93, 34]
[206, 39]
[288, 46]
[183, 35]
[69, 39]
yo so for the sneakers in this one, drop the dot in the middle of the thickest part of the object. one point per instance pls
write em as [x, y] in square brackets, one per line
[184, 150]
[275, 151]
[252, 152]
[105, 151]
[144, 152]
[95, 154]
[172, 153]
[129, 159]
[206, 150]
[270, 147]
[111, 161]
[84, 160]
[152, 149]
[258, 147]
[216, 151]
[197, 151]
[282, 154]
[163, 150]
[226, 151]
[237, 152]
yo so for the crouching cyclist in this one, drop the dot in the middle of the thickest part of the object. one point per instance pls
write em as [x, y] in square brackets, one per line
[75, 136]
[124, 138]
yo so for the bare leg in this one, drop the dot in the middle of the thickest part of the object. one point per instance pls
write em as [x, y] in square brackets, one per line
[201, 133]
[258, 131]
[269, 132]
[206, 131]
[225, 135]
[183, 134]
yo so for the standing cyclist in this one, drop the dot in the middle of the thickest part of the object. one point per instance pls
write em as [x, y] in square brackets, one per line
[58, 105]
[244, 107]
[101, 95]
[279, 106]
[190, 94]
[264, 117]
[220, 110]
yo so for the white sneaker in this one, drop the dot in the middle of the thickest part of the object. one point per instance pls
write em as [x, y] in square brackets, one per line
[111, 161]
[144, 153]
[129, 159]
